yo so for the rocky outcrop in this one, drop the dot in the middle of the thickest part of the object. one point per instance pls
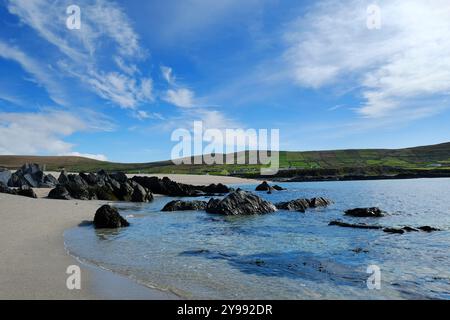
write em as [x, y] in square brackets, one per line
[301, 205]
[179, 205]
[59, 193]
[266, 187]
[5, 175]
[108, 217]
[31, 175]
[100, 186]
[167, 187]
[240, 203]
[24, 191]
[365, 212]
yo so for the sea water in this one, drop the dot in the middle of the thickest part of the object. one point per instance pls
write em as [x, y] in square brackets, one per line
[285, 255]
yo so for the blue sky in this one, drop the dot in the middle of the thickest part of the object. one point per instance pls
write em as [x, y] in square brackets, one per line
[137, 70]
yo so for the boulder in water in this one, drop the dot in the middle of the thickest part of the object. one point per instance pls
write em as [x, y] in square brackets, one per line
[240, 202]
[108, 217]
[179, 205]
[365, 212]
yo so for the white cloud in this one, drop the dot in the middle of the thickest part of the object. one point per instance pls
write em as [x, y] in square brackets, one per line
[402, 67]
[43, 132]
[167, 74]
[100, 157]
[41, 74]
[182, 97]
[104, 28]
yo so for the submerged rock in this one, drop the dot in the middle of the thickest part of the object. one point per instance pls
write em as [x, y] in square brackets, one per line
[351, 225]
[179, 205]
[240, 202]
[108, 217]
[394, 230]
[428, 229]
[365, 212]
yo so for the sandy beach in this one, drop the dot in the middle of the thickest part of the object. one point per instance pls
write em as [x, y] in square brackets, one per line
[34, 259]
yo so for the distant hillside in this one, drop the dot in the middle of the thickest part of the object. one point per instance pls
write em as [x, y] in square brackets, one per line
[333, 162]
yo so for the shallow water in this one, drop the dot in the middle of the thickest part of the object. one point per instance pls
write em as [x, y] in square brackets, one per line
[285, 255]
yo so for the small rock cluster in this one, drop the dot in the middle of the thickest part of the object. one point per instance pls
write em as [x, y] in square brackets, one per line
[30, 174]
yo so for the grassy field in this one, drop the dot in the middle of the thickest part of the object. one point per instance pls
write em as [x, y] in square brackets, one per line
[365, 160]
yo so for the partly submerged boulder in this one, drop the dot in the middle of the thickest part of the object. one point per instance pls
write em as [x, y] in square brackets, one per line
[109, 217]
[140, 194]
[264, 186]
[353, 225]
[240, 203]
[302, 204]
[365, 212]
[179, 205]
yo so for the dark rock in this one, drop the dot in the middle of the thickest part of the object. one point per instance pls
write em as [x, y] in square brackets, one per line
[179, 205]
[89, 178]
[428, 229]
[63, 177]
[5, 175]
[17, 180]
[240, 203]
[59, 193]
[319, 202]
[278, 188]
[50, 180]
[394, 230]
[102, 192]
[26, 191]
[109, 217]
[360, 250]
[77, 187]
[410, 229]
[215, 189]
[140, 194]
[302, 204]
[119, 176]
[365, 212]
[5, 189]
[295, 205]
[263, 187]
[351, 225]
[171, 188]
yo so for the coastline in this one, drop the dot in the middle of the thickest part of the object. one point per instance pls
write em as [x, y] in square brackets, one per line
[34, 257]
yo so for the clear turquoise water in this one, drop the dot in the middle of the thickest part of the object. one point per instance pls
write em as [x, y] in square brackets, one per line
[285, 255]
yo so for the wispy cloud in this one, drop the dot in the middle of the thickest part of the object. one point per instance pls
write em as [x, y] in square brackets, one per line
[402, 66]
[43, 132]
[105, 28]
[40, 72]
[182, 97]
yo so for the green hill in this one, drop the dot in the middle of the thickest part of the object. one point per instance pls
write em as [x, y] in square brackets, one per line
[333, 162]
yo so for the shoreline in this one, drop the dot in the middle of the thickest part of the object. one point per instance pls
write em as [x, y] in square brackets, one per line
[35, 258]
